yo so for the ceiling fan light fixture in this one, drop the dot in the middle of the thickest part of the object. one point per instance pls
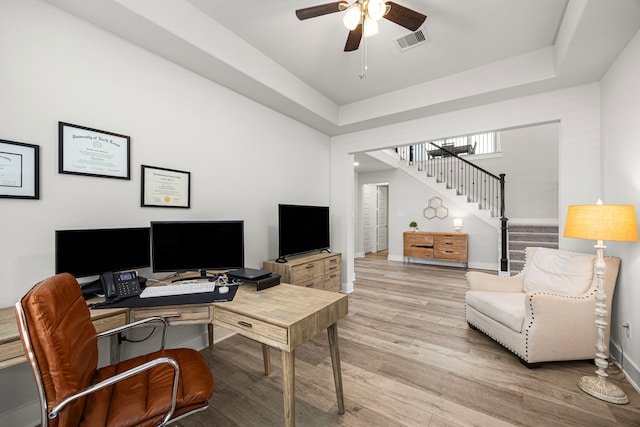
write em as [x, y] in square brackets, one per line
[370, 27]
[376, 9]
[352, 18]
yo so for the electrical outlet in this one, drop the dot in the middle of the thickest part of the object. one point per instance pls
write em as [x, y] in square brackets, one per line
[627, 327]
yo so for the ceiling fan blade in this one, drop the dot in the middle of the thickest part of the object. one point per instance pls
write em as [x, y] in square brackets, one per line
[319, 10]
[404, 16]
[353, 39]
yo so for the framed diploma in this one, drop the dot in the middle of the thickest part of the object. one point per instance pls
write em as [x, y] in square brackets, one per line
[19, 170]
[165, 188]
[92, 152]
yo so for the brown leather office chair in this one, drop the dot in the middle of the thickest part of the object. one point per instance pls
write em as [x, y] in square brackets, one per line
[61, 345]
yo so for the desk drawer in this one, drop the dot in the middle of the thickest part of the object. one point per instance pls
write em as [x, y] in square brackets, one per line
[10, 350]
[250, 327]
[193, 314]
[307, 271]
[110, 322]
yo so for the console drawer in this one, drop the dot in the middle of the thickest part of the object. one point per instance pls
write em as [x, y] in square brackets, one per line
[418, 239]
[451, 255]
[419, 252]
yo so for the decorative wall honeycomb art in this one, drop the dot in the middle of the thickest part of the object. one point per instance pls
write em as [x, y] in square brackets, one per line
[436, 209]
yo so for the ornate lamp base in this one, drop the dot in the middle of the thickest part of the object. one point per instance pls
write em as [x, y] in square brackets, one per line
[603, 390]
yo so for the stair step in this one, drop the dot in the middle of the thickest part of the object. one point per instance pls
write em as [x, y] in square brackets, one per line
[521, 246]
[524, 228]
[516, 266]
[522, 236]
[533, 240]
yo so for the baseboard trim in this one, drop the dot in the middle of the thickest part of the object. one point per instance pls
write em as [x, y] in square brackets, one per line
[629, 369]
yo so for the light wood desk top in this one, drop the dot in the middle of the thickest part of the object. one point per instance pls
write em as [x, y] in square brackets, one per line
[290, 314]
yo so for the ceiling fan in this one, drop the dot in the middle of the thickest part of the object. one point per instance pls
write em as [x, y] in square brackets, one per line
[362, 15]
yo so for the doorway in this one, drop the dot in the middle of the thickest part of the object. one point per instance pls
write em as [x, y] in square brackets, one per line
[375, 217]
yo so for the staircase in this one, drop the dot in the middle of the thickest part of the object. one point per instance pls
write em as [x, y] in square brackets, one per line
[444, 165]
[522, 236]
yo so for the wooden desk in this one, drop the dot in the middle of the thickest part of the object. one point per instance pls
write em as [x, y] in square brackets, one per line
[284, 317]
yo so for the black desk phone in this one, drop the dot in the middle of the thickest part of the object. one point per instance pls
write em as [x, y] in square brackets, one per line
[120, 285]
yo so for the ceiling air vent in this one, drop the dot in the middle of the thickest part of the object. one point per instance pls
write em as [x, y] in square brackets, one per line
[412, 40]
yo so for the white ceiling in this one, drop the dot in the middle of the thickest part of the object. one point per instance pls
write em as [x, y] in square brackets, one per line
[464, 34]
[479, 51]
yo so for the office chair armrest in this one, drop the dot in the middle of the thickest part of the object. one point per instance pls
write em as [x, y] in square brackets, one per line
[137, 324]
[124, 375]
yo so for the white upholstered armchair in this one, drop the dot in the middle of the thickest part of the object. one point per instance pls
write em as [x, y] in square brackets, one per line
[546, 312]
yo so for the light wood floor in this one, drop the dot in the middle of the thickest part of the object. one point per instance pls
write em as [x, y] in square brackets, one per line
[408, 359]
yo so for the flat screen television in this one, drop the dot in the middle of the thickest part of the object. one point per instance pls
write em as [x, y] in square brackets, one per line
[184, 246]
[95, 251]
[302, 229]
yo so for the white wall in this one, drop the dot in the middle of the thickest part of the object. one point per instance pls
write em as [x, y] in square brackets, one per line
[530, 163]
[621, 185]
[244, 159]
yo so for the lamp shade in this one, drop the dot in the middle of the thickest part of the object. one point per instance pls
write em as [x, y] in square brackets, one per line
[602, 222]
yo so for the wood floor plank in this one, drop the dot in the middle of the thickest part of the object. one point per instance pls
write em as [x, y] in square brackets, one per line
[408, 359]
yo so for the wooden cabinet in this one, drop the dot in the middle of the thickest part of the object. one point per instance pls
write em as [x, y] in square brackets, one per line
[436, 246]
[320, 271]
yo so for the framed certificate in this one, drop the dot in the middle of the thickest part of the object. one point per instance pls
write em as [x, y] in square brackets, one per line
[165, 188]
[19, 170]
[92, 152]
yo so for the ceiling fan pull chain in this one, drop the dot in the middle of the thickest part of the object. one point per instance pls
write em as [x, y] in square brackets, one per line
[364, 59]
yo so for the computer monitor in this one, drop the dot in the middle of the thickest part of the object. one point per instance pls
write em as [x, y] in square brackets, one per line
[183, 246]
[95, 251]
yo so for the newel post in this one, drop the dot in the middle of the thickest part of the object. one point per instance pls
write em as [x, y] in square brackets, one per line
[504, 256]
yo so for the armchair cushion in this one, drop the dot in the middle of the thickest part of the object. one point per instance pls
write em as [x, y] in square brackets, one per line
[564, 273]
[503, 307]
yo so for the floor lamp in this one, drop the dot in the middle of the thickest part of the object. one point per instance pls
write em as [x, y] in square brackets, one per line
[601, 222]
